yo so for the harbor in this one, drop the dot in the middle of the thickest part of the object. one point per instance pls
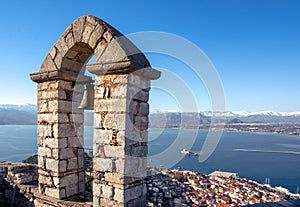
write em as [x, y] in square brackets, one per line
[189, 188]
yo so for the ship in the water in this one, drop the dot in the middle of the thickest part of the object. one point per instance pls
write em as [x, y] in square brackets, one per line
[186, 152]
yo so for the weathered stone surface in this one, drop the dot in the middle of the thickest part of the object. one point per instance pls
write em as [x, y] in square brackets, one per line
[48, 64]
[133, 193]
[55, 192]
[102, 164]
[141, 122]
[96, 35]
[114, 151]
[74, 142]
[121, 115]
[64, 130]
[111, 105]
[56, 143]
[102, 136]
[65, 153]
[78, 27]
[72, 163]
[67, 180]
[138, 81]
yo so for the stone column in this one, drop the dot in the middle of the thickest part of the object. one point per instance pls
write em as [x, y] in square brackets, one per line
[120, 137]
[60, 134]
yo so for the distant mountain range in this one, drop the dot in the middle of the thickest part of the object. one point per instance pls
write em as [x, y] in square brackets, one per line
[18, 114]
[27, 114]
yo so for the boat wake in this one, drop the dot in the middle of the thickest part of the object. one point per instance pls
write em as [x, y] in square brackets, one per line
[268, 151]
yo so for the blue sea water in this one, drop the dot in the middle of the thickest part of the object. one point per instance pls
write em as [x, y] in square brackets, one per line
[253, 156]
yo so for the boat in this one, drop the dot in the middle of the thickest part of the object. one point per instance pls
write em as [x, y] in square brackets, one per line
[186, 152]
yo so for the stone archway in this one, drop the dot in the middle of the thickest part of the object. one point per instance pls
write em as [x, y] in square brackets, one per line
[122, 83]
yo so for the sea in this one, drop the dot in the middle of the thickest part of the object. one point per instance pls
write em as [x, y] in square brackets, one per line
[254, 156]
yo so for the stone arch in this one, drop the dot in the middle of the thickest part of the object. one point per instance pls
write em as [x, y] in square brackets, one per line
[88, 35]
[122, 83]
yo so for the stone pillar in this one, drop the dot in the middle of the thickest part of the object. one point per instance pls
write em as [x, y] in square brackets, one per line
[60, 135]
[120, 137]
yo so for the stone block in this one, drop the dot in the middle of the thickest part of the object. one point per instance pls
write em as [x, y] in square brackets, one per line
[43, 106]
[41, 162]
[48, 65]
[103, 190]
[137, 151]
[139, 95]
[141, 201]
[98, 120]
[117, 121]
[56, 165]
[144, 109]
[77, 118]
[141, 122]
[46, 118]
[99, 93]
[45, 131]
[61, 118]
[111, 203]
[138, 81]
[44, 151]
[65, 106]
[135, 136]
[55, 192]
[62, 47]
[133, 193]
[119, 195]
[78, 27]
[88, 29]
[65, 153]
[114, 151]
[56, 142]
[111, 105]
[64, 130]
[135, 166]
[102, 164]
[81, 162]
[102, 136]
[67, 180]
[96, 34]
[119, 91]
[71, 190]
[71, 65]
[72, 164]
[98, 150]
[74, 142]
[120, 166]
[49, 85]
[69, 38]
[115, 178]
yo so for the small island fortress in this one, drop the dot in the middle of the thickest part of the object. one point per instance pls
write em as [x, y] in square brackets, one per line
[122, 81]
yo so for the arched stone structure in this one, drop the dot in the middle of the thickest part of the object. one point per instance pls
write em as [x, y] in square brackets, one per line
[121, 110]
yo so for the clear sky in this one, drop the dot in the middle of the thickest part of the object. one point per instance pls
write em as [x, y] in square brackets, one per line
[254, 45]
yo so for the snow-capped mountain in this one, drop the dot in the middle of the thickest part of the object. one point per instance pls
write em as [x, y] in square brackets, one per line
[18, 114]
[177, 118]
[26, 107]
[246, 113]
[26, 114]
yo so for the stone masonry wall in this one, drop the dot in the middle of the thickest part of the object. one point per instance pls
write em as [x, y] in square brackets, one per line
[121, 115]
[60, 139]
[120, 140]
[18, 183]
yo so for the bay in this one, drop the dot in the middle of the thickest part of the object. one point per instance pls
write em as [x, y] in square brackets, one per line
[254, 156]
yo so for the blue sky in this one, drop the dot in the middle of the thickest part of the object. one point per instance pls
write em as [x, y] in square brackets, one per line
[254, 45]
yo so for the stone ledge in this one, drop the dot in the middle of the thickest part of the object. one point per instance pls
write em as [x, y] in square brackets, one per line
[61, 74]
